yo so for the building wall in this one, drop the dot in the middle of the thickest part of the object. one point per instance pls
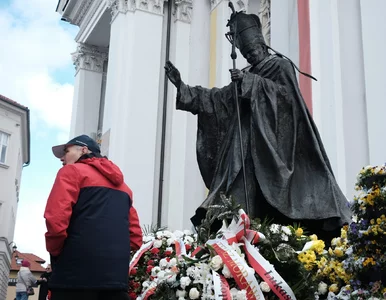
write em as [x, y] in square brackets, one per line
[10, 176]
[5, 257]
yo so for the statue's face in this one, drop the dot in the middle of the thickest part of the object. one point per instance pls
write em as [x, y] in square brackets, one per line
[255, 55]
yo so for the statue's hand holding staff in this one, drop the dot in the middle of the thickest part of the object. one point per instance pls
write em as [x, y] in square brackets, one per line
[236, 74]
[173, 74]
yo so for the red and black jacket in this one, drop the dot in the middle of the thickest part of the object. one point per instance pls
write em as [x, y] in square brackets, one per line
[91, 225]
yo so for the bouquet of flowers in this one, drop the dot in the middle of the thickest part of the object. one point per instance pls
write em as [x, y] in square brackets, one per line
[223, 265]
[367, 237]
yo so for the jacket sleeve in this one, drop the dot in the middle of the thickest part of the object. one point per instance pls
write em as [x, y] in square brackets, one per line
[32, 279]
[63, 196]
[135, 230]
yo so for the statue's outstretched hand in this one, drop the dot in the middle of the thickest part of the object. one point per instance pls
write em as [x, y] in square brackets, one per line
[236, 74]
[173, 74]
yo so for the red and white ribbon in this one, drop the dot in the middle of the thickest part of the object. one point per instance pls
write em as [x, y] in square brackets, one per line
[148, 292]
[180, 247]
[236, 230]
[137, 256]
[268, 273]
[241, 272]
[193, 254]
[221, 287]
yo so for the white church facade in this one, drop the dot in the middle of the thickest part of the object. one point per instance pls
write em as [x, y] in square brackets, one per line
[122, 99]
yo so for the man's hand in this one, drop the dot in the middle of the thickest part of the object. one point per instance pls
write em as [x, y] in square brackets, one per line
[173, 74]
[236, 74]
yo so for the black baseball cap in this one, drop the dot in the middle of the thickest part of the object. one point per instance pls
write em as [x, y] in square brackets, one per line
[82, 140]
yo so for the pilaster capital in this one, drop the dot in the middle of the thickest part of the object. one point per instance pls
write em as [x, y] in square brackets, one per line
[89, 57]
[123, 6]
[118, 6]
[183, 10]
[153, 6]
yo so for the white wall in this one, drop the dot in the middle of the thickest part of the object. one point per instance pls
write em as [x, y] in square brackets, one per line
[374, 45]
[10, 175]
[353, 90]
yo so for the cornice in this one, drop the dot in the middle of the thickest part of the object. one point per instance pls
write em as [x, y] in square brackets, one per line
[82, 12]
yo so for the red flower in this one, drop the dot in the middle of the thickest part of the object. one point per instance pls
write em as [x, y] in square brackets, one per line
[136, 285]
[168, 252]
[188, 247]
[150, 263]
[154, 251]
[133, 271]
[167, 259]
[149, 268]
[132, 296]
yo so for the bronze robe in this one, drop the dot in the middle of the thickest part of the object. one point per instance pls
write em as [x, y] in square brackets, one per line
[289, 176]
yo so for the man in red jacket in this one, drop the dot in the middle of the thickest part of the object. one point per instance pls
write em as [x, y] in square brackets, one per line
[91, 225]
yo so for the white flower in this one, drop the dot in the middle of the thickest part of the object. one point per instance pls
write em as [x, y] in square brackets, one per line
[286, 230]
[238, 295]
[155, 270]
[226, 272]
[161, 275]
[190, 271]
[166, 233]
[274, 228]
[188, 240]
[265, 287]
[284, 237]
[157, 244]
[181, 293]
[322, 288]
[194, 293]
[172, 278]
[146, 284]
[241, 295]
[170, 242]
[184, 282]
[172, 262]
[163, 263]
[216, 263]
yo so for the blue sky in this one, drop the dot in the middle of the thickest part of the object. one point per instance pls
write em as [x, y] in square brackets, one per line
[36, 71]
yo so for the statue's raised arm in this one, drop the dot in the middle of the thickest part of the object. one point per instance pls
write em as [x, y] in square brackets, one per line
[173, 74]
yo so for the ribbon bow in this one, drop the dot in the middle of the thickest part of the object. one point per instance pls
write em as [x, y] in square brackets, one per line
[237, 230]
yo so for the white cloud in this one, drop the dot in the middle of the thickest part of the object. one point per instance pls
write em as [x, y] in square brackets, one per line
[34, 46]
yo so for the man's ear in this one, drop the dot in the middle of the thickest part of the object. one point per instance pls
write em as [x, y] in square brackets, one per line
[84, 150]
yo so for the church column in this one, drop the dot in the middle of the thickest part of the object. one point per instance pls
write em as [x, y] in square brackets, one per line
[132, 93]
[184, 189]
[327, 91]
[88, 61]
